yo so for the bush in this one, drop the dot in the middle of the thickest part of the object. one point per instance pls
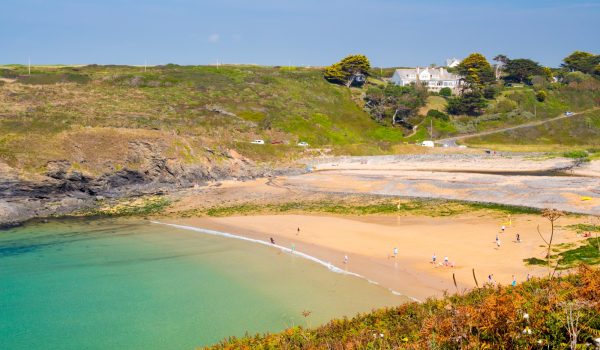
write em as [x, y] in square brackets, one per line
[470, 103]
[541, 96]
[434, 113]
[505, 106]
[574, 77]
[575, 154]
[490, 92]
[446, 92]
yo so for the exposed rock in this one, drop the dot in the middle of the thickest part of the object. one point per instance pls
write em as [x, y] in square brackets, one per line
[57, 169]
[63, 190]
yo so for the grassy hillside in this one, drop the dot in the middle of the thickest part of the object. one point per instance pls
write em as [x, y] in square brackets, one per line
[515, 106]
[579, 131]
[90, 115]
[532, 315]
[105, 118]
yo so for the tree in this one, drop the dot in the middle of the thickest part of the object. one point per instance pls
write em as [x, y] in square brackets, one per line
[475, 70]
[434, 113]
[394, 102]
[470, 103]
[501, 59]
[581, 61]
[522, 69]
[335, 74]
[446, 92]
[346, 71]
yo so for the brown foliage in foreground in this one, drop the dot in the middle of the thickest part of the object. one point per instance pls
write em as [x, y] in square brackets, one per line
[534, 315]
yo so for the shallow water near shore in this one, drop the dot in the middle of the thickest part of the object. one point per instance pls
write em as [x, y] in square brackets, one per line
[130, 284]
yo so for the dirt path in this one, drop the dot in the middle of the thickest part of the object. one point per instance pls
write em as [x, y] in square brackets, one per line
[451, 141]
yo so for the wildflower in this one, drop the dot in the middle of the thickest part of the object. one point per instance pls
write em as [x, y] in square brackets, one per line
[526, 316]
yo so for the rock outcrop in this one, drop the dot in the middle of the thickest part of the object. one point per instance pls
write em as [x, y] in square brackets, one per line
[62, 189]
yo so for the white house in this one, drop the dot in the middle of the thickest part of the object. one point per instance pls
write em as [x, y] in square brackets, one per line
[452, 62]
[433, 78]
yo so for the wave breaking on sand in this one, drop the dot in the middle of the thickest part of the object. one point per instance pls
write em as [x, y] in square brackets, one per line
[326, 264]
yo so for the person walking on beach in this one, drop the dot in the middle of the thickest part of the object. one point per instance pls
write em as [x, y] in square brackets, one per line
[518, 238]
[433, 258]
[445, 261]
[345, 259]
[395, 252]
[490, 278]
[514, 281]
[498, 243]
[503, 228]
[528, 277]
[298, 232]
[272, 240]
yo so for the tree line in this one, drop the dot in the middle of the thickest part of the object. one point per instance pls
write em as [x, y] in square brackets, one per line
[480, 82]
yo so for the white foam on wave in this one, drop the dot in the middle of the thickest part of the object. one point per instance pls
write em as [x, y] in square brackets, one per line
[327, 264]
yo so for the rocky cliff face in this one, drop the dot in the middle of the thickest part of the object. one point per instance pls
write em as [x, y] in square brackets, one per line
[62, 189]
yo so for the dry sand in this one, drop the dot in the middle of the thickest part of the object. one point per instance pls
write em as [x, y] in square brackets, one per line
[468, 242]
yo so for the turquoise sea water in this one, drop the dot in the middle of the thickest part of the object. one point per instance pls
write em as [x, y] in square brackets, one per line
[123, 284]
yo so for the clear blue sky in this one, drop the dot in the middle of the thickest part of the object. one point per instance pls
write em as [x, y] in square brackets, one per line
[303, 32]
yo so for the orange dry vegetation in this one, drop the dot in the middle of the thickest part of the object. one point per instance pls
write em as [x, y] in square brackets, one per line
[532, 315]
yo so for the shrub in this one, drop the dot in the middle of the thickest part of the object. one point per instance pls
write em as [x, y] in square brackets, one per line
[575, 154]
[505, 106]
[434, 113]
[490, 92]
[446, 92]
[541, 96]
[470, 103]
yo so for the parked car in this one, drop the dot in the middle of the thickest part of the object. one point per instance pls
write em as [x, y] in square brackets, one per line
[427, 144]
[569, 113]
[258, 142]
[302, 144]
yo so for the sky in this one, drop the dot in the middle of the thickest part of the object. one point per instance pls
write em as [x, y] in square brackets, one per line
[293, 32]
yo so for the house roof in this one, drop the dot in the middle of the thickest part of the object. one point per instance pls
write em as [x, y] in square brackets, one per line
[440, 73]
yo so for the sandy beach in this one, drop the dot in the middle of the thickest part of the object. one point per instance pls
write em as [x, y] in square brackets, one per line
[369, 242]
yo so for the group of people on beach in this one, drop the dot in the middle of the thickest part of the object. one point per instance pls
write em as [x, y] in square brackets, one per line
[446, 263]
[502, 230]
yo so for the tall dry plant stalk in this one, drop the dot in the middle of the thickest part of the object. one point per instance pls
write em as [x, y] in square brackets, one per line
[551, 215]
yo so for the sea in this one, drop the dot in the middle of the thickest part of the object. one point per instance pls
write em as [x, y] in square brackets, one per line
[136, 284]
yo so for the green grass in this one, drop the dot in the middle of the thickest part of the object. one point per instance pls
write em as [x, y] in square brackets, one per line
[588, 253]
[195, 106]
[361, 206]
[81, 114]
[535, 261]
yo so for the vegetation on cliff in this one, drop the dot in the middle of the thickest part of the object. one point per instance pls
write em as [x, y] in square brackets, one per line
[539, 314]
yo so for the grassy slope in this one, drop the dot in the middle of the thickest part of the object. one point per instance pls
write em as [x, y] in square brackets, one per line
[486, 318]
[577, 131]
[90, 114]
[515, 106]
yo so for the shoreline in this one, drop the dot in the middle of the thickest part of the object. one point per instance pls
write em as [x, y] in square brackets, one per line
[331, 267]
[369, 243]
